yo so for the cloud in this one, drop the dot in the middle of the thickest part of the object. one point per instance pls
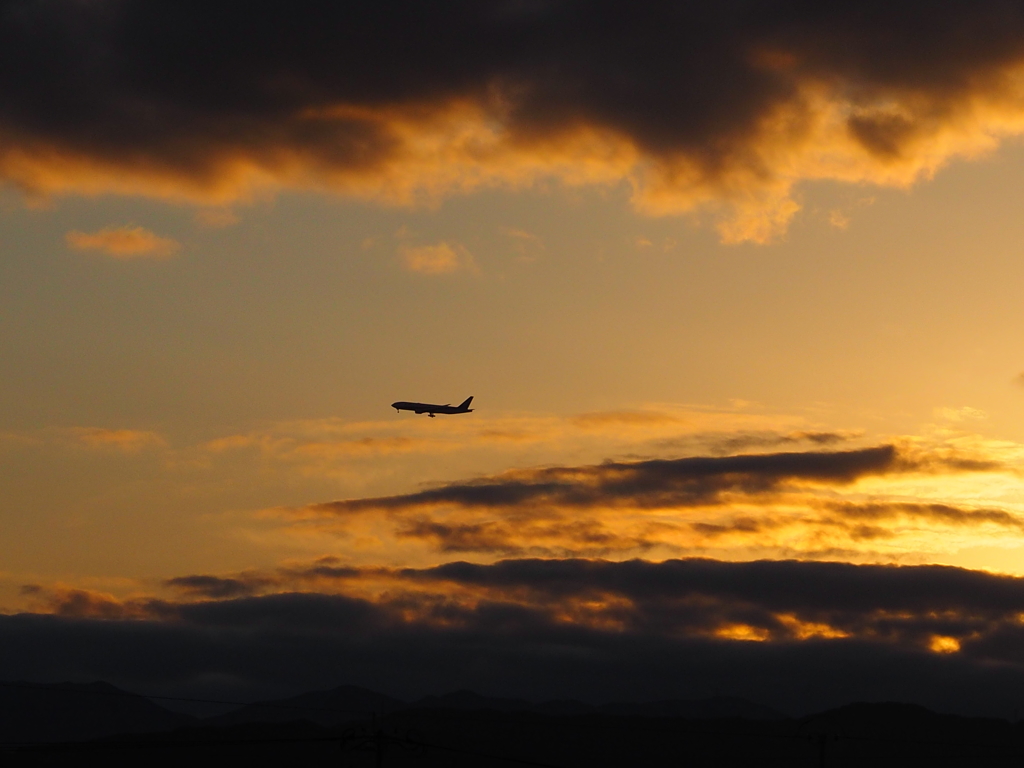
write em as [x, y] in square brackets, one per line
[326, 445]
[646, 484]
[812, 504]
[605, 419]
[838, 219]
[217, 587]
[718, 108]
[289, 448]
[796, 635]
[793, 526]
[939, 513]
[690, 594]
[62, 600]
[126, 440]
[965, 413]
[527, 245]
[217, 218]
[124, 243]
[439, 259]
[745, 440]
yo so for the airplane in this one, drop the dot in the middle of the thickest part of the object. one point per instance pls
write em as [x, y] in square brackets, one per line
[430, 409]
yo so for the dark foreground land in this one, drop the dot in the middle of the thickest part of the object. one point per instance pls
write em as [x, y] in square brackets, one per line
[430, 734]
[444, 738]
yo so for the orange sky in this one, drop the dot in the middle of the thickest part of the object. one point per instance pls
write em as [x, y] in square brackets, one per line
[751, 297]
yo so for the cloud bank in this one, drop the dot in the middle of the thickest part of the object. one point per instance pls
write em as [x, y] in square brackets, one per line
[723, 105]
[796, 635]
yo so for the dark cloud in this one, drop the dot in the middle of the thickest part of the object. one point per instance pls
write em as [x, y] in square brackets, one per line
[831, 633]
[647, 484]
[655, 483]
[715, 99]
[804, 588]
[214, 586]
[539, 535]
[871, 520]
[939, 513]
[719, 443]
[81, 602]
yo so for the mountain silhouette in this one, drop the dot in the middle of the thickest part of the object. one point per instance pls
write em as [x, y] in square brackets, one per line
[898, 720]
[468, 700]
[329, 707]
[52, 724]
[697, 709]
[349, 702]
[32, 712]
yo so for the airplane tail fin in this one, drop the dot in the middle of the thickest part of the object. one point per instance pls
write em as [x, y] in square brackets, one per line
[464, 405]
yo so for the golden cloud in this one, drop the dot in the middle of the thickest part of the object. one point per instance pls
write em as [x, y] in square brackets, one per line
[126, 440]
[458, 148]
[812, 504]
[723, 115]
[732, 495]
[605, 419]
[124, 243]
[442, 258]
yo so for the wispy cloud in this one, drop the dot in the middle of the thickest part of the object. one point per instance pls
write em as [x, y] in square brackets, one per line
[838, 219]
[126, 440]
[815, 504]
[682, 482]
[678, 487]
[657, 428]
[527, 245]
[218, 587]
[605, 419]
[296, 449]
[217, 218]
[124, 243]
[440, 259]
[64, 600]
[660, 483]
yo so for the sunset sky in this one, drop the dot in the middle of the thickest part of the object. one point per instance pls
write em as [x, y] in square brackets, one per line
[737, 289]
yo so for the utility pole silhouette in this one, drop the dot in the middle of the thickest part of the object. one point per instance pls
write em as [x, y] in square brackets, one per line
[822, 739]
[379, 743]
[374, 738]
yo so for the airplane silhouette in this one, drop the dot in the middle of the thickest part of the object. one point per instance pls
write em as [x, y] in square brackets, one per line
[431, 409]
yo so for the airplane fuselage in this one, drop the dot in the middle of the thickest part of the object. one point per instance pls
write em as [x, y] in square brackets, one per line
[430, 409]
